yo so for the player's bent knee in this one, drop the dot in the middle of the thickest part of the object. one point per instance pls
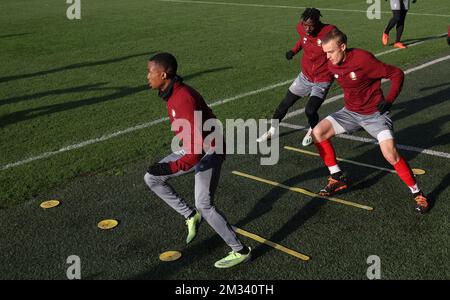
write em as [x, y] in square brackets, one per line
[385, 136]
[323, 131]
[317, 133]
[204, 209]
[151, 181]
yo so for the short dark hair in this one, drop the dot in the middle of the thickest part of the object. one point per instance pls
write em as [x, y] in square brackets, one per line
[335, 34]
[311, 13]
[167, 61]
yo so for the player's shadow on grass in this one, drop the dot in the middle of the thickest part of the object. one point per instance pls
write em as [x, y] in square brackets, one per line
[14, 35]
[288, 132]
[200, 73]
[57, 92]
[32, 113]
[419, 105]
[73, 66]
[423, 39]
[86, 88]
[442, 186]
[119, 92]
[294, 223]
[434, 87]
[263, 206]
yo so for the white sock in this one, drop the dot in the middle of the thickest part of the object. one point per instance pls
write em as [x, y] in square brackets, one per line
[414, 189]
[272, 130]
[334, 169]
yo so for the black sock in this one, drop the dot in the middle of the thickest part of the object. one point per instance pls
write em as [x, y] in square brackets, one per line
[418, 193]
[192, 214]
[244, 250]
[337, 176]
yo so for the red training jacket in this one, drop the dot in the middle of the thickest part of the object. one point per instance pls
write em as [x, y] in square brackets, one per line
[182, 104]
[360, 78]
[314, 60]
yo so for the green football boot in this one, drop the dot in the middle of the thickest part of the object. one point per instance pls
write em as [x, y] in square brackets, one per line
[234, 258]
[192, 225]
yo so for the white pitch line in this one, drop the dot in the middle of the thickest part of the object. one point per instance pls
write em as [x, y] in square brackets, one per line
[134, 128]
[341, 159]
[293, 7]
[83, 144]
[397, 49]
[158, 121]
[373, 141]
[267, 88]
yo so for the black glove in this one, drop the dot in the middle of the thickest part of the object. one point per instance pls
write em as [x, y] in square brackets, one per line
[384, 106]
[448, 40]
[289, 55]
[160, 169]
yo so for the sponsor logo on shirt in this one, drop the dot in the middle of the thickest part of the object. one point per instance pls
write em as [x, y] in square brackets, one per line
[319, 42]
[353, 76]
[304, 40]
[336, 76]
[173, 113]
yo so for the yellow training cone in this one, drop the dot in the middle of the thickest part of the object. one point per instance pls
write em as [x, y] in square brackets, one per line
[418, 171]
[49, 204]
[107, 224]
[170, 255]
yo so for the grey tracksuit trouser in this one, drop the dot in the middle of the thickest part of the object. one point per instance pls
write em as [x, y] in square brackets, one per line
[207, 174]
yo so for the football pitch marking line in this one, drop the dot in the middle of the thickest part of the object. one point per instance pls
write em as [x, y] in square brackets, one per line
[214, 103]
[373, 141]
[271, 244]
[302, 191]
[294, 7]
[415, 171]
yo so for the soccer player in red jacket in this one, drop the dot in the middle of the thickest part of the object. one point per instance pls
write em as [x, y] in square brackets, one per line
[359, 74]
[314, 80]
[182, 103]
